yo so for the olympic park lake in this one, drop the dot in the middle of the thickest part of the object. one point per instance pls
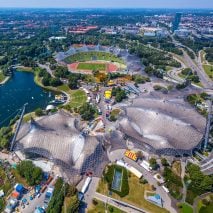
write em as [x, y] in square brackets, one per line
[21, 89]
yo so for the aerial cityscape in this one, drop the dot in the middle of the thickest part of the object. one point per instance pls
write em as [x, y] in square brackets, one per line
[106, 106]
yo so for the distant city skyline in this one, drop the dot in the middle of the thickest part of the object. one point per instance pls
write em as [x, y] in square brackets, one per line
[108, 4]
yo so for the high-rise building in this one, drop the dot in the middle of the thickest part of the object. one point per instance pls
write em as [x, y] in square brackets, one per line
[176, 22]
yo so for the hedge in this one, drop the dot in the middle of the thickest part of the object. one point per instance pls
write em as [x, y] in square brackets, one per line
[108, 176]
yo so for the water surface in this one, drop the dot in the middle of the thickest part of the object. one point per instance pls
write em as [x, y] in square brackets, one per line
[21, 89]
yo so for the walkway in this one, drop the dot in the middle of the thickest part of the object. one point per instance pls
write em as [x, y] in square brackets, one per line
[119, 204]
[183, 168]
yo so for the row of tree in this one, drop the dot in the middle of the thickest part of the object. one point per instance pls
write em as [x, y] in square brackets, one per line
[61, 192]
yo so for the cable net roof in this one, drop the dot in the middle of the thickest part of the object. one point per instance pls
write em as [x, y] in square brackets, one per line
[163, 125]
[57, 138]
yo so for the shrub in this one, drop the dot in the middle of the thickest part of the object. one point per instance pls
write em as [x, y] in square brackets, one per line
[39, 112]
[95, 202]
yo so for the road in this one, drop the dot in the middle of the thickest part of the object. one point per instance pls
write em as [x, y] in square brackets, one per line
[119, 204]
[206, 82]
[36, 201]
[33, 204]
[90, 193]
[195, 65]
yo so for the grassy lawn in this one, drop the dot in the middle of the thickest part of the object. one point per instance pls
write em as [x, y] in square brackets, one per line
[168, 68]
[92, 66]
[185, 208]
[78, 98]
[206, 209]
[28, 116]
[135, 196]
[202, 208]
[100, 208]
[176, 168]
[209, 70]
[93, 55]
[2, 76]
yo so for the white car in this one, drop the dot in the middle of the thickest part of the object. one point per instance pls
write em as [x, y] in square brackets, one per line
[38, 195]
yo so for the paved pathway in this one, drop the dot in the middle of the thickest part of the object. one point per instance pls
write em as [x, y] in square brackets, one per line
[119, 204]
[183, 168]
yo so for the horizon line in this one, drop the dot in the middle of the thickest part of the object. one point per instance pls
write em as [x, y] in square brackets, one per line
[121, 8]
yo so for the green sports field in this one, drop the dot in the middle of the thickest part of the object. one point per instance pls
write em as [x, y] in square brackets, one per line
[92, 66]
[89, 56]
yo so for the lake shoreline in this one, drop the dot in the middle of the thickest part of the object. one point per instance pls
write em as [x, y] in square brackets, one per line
[39, 83]
[5, 80]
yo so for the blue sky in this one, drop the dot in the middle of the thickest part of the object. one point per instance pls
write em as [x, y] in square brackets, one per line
[109, 3]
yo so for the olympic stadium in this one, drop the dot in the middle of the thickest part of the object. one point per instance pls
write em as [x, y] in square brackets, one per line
[163, 127]
[119, 60]
[57, 138]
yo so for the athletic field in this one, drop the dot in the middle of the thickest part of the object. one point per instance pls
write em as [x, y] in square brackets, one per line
[91, 66]
[88, 67]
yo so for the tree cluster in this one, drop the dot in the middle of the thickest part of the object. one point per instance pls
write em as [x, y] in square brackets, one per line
[209, 54]
[39, 112]
[47, 80]
[30, 172]
[173, 182]
[140, 79]
[199, 183]
[87, 111]
[5, 137]
[153, 163]
[190, 76]
[61, 192]
[119, 94]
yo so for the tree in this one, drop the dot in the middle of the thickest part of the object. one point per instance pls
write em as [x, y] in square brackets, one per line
[74, 206]
[164, 162]
[200, 183]
[153, 163]
[71, 190]
[42, 73]
[73, 82]
[30, 172]
[39, 112]
[95, 72]
[5, 137]
[149, 70]
[139, 155]
[55, 82]
[87, 112]
[45, 81]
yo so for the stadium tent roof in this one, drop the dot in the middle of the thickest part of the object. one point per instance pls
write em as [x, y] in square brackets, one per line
[163, 126]
[50, 107]
[57, 138]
